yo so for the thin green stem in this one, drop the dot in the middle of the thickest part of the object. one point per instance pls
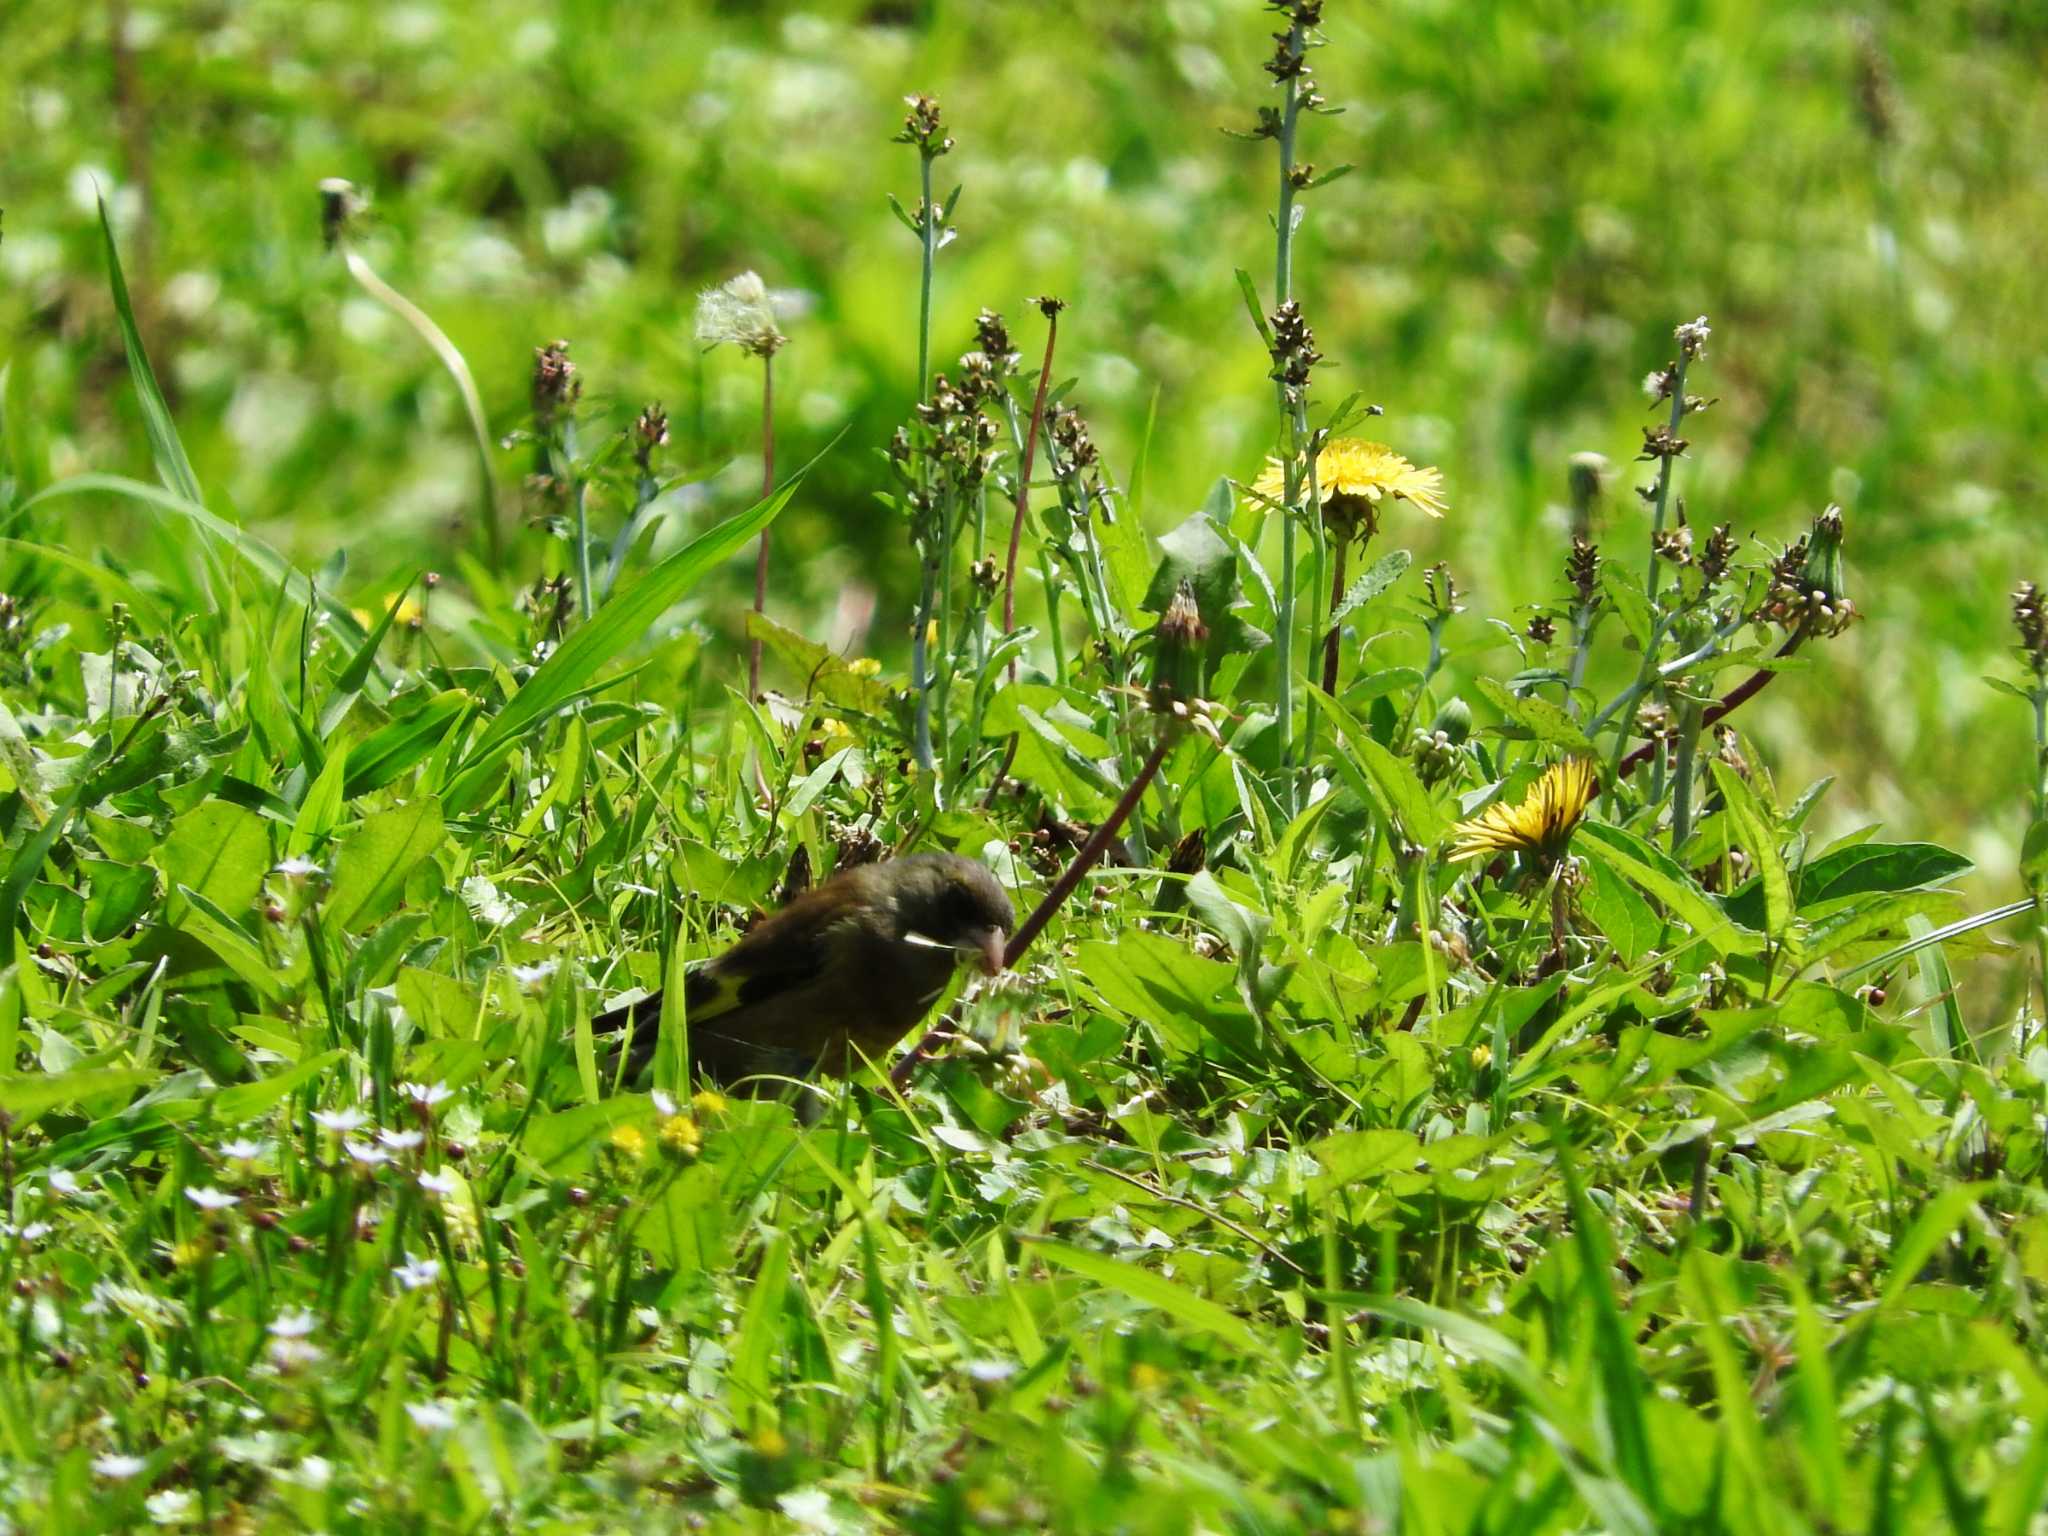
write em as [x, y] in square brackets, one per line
[928, 229]
[1665, 469]
[1283, 290]
[767, 489]
[1682, 775]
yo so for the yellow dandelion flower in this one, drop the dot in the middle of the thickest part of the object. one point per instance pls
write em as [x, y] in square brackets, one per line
[630, 1142]
[1540, 824]
[1353, 477]
[680, 1137]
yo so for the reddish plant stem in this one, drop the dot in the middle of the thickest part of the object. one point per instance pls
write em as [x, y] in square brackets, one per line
[767, 489]
[1733, 700]
[1052, 331]
[1090, 855]
[1330, 641]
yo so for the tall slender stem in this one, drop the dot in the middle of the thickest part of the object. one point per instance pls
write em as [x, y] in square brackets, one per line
[928, 229]
[586, 591]
[1283, 290]
[1024, 462]
[1666, 467]
[1331, 644]
[1682, 776]
[767, 489]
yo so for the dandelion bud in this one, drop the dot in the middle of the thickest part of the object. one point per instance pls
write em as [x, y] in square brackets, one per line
[1807, 584]
[1178, 647]
[1454, 721]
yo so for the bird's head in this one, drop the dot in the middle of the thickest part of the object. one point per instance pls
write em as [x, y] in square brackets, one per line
[950, 902]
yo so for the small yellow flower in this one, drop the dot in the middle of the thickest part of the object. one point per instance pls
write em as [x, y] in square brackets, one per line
[770, 1442]
[1353, 477]
[1482, 1056]
[1146, 1377]
[680, 1137]
[864, 666]
[192, 1251]
[630, 1142]
[707, 1104]
[1540, 824]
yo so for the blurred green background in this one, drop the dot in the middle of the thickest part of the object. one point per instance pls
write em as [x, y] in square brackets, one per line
[1855, 194]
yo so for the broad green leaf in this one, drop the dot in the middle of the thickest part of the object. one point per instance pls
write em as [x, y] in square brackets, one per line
[1753, 823]
[818, 673]
[1349, 1156]
[1653, 872]
[220, 850]
[1151, 1289]
[370, 870]
[1618, 912]
[387, 754]
[1870, 867]
[246, 1101]
[1626, 599]
[229, 944]
[1541, 719]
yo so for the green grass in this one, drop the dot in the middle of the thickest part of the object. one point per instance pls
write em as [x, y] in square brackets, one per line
[1682, 1174]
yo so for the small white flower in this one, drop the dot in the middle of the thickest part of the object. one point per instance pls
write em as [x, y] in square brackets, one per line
[27, 1234]
[991, 1370]
[422, 1094]
[414, 1273]
[293, 1354]
[340, 1121]
[243, 1150]
[63, 1182]
[435, 1415]
[118, 1466]
[208, 1199]
[1692, 337]
[441, 1184]
[366, 1154]
[401, 1141]
[531, 978]
[173, 1506]
[297, 869]
[293, 1325]
[663, 1104]
[315, 1472]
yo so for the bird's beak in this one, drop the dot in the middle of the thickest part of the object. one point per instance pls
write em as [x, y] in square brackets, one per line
[990, 943]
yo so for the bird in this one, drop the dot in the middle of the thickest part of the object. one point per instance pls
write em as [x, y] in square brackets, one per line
[834, 978]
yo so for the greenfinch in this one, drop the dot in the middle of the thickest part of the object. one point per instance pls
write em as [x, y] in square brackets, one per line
[837, 977]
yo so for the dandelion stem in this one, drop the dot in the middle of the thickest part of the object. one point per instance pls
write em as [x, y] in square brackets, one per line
[767, 489]
[1331, 644]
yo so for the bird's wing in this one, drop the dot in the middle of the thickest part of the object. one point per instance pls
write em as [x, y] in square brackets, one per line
[781, 954]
